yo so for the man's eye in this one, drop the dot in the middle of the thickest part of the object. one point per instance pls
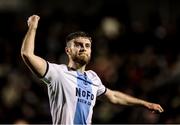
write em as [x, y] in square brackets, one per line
[88, 45]
[77, 44]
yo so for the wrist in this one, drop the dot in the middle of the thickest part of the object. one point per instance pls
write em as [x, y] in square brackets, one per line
[32, 28]
[144, 103]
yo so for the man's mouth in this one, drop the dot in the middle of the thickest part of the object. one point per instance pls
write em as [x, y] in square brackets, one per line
[82, 54]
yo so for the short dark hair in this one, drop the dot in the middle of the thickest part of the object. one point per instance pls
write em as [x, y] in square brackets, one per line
[77, 34]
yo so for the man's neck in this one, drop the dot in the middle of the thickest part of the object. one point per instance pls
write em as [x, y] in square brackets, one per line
[77, 67]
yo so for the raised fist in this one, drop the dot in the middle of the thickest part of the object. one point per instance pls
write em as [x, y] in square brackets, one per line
[33, 21]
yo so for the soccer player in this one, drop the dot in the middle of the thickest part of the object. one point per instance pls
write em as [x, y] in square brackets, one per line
[72, 90]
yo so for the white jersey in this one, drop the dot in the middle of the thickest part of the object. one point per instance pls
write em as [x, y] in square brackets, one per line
[72, 95]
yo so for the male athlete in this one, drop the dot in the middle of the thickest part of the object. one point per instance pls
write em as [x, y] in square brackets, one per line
[72, 90]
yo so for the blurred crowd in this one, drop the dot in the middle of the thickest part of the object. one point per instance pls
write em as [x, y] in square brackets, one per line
[135, 50]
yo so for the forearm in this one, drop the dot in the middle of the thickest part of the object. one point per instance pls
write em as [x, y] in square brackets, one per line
[28, 42]
[124, 99]
[117, 97]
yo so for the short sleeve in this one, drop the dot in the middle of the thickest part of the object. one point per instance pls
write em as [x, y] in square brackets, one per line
[101, 88]
[51, 73]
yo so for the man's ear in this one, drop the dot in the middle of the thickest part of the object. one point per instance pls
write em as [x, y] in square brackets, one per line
[67, 50]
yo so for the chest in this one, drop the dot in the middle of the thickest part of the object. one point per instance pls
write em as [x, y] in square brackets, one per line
[80, 85]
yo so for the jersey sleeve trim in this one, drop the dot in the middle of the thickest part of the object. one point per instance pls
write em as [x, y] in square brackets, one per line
[103, 92]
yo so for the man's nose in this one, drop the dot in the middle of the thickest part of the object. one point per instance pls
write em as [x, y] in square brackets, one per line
[83, 48]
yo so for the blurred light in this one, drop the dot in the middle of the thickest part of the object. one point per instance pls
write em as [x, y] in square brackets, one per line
[111, 27]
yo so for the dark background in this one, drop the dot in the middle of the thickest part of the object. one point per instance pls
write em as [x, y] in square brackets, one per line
[135, 50]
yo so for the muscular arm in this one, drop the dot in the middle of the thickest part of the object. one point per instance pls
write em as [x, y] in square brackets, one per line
[117, 97]
[36, 64]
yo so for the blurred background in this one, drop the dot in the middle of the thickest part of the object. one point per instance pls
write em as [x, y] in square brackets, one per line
[135, 50]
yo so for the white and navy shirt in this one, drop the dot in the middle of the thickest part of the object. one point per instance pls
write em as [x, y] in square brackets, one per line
[72, 95]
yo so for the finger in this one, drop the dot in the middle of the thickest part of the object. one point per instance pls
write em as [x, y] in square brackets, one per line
[33, 20]
[161, 109]
[36, 17]
[28, 22]
[155, 112]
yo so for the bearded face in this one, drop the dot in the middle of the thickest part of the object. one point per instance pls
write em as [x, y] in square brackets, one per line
[81, 58]
[80, 50]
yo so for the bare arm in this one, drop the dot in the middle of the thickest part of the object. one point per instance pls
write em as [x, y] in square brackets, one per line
[36, 64]
[117, 97]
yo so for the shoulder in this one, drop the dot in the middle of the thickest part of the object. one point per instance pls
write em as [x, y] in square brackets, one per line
[92, 74]
[57, 66]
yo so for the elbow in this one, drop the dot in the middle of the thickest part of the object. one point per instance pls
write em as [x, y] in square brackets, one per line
[120, 102]
[112, 96]
[26, 55]
[113, 99]
[117, 98]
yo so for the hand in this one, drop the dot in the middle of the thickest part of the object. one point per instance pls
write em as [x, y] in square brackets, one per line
[154, 108]
[33, 21]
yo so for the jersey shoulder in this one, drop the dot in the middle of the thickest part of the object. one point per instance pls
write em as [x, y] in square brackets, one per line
[58, 66]
[92, 74]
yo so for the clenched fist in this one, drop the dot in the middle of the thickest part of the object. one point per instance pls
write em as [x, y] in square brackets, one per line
[154, 108]
[33, 21]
